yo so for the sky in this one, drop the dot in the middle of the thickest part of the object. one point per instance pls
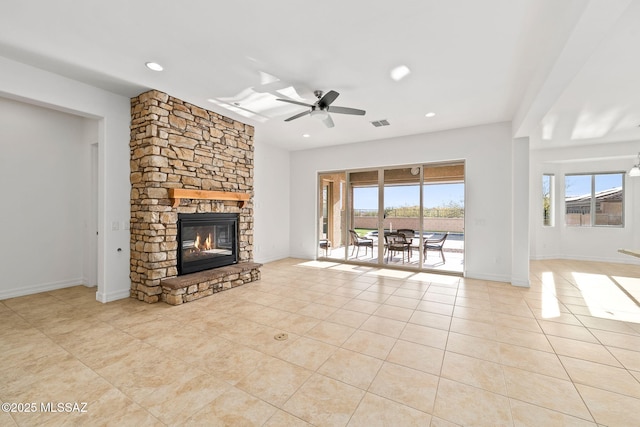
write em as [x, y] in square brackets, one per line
[580, 185]
[435, 195]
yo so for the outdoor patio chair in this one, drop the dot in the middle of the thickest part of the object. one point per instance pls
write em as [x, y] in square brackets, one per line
[409, 235]
[435, 245]
[326, 245]
[397, 242]
[358, 241]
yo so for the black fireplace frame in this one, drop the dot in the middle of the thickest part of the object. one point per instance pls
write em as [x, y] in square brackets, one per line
[206, 219]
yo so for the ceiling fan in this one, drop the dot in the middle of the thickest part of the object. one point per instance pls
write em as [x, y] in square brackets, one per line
[323, 107]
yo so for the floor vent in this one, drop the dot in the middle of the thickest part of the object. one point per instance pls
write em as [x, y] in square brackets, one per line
[378, 123]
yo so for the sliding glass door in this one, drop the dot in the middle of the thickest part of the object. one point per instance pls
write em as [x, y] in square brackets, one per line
[443, 217]
[363, 216]
[332, 215]
[402, 225]
[410, 217]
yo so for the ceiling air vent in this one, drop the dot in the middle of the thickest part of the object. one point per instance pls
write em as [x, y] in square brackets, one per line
[378, 123]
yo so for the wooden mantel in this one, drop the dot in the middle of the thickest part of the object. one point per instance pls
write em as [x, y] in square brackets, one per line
[177, 194]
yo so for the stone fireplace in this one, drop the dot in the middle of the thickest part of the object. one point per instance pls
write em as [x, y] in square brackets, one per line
[186, 160]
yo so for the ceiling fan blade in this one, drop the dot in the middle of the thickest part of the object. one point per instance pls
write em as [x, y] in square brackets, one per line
[327, 99]
[290, 101]
[347, 110]
[328, 122]
[297, 116]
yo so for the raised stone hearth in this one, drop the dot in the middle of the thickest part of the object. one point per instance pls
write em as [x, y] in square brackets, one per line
[179, 146]
[190, 287]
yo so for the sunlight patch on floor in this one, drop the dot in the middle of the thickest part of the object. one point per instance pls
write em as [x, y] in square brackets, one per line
[394, 274]
[318, 264]
[629, 284]
[435, 278]
[606, 300]
[351, 268]
[550, 307]
[382, 272]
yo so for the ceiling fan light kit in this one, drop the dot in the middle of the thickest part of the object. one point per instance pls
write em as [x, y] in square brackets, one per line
[321, 109]
[319, 114]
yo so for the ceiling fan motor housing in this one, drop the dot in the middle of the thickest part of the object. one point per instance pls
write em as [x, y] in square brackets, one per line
[320, 110]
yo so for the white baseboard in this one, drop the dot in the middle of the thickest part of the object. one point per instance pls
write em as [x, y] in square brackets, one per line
[271, 258]
[522, 283]
[519, 282]
[615, 259]
[544, 257]
[491, 277]
[112, 296]
[41, 287]
[87, 282]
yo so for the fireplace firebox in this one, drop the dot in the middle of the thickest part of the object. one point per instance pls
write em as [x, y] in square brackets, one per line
[206, 241]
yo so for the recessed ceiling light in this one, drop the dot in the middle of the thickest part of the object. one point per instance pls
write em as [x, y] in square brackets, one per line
[306, 135]
[400, 72]
[431, 114]
[154, 66]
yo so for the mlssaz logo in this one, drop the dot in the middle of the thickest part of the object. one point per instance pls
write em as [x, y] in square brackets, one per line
[80, 407]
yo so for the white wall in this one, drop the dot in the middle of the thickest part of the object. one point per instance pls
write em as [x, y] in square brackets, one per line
[90, 166]
[520, 213]
[32, 85]
[271, 202]
[583, 243]
[487, 151]
[42, 171]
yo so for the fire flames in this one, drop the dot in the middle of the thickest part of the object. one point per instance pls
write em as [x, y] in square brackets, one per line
[200, 246]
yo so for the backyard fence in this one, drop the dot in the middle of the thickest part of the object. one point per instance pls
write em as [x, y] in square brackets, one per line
[454, 225]
[412, 212]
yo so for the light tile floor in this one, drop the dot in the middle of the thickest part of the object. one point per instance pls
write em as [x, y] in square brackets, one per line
[365, 347]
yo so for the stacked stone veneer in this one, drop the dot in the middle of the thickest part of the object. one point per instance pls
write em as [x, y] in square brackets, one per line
[175, 144]
[178, 290]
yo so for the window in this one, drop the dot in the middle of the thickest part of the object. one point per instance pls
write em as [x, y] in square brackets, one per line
[594, 200]
[547, 200]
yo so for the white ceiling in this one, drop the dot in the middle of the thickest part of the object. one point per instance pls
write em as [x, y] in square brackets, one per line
[565, 72]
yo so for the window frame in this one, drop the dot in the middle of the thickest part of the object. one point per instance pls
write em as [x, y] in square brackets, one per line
[551, 212]
[593, 200]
